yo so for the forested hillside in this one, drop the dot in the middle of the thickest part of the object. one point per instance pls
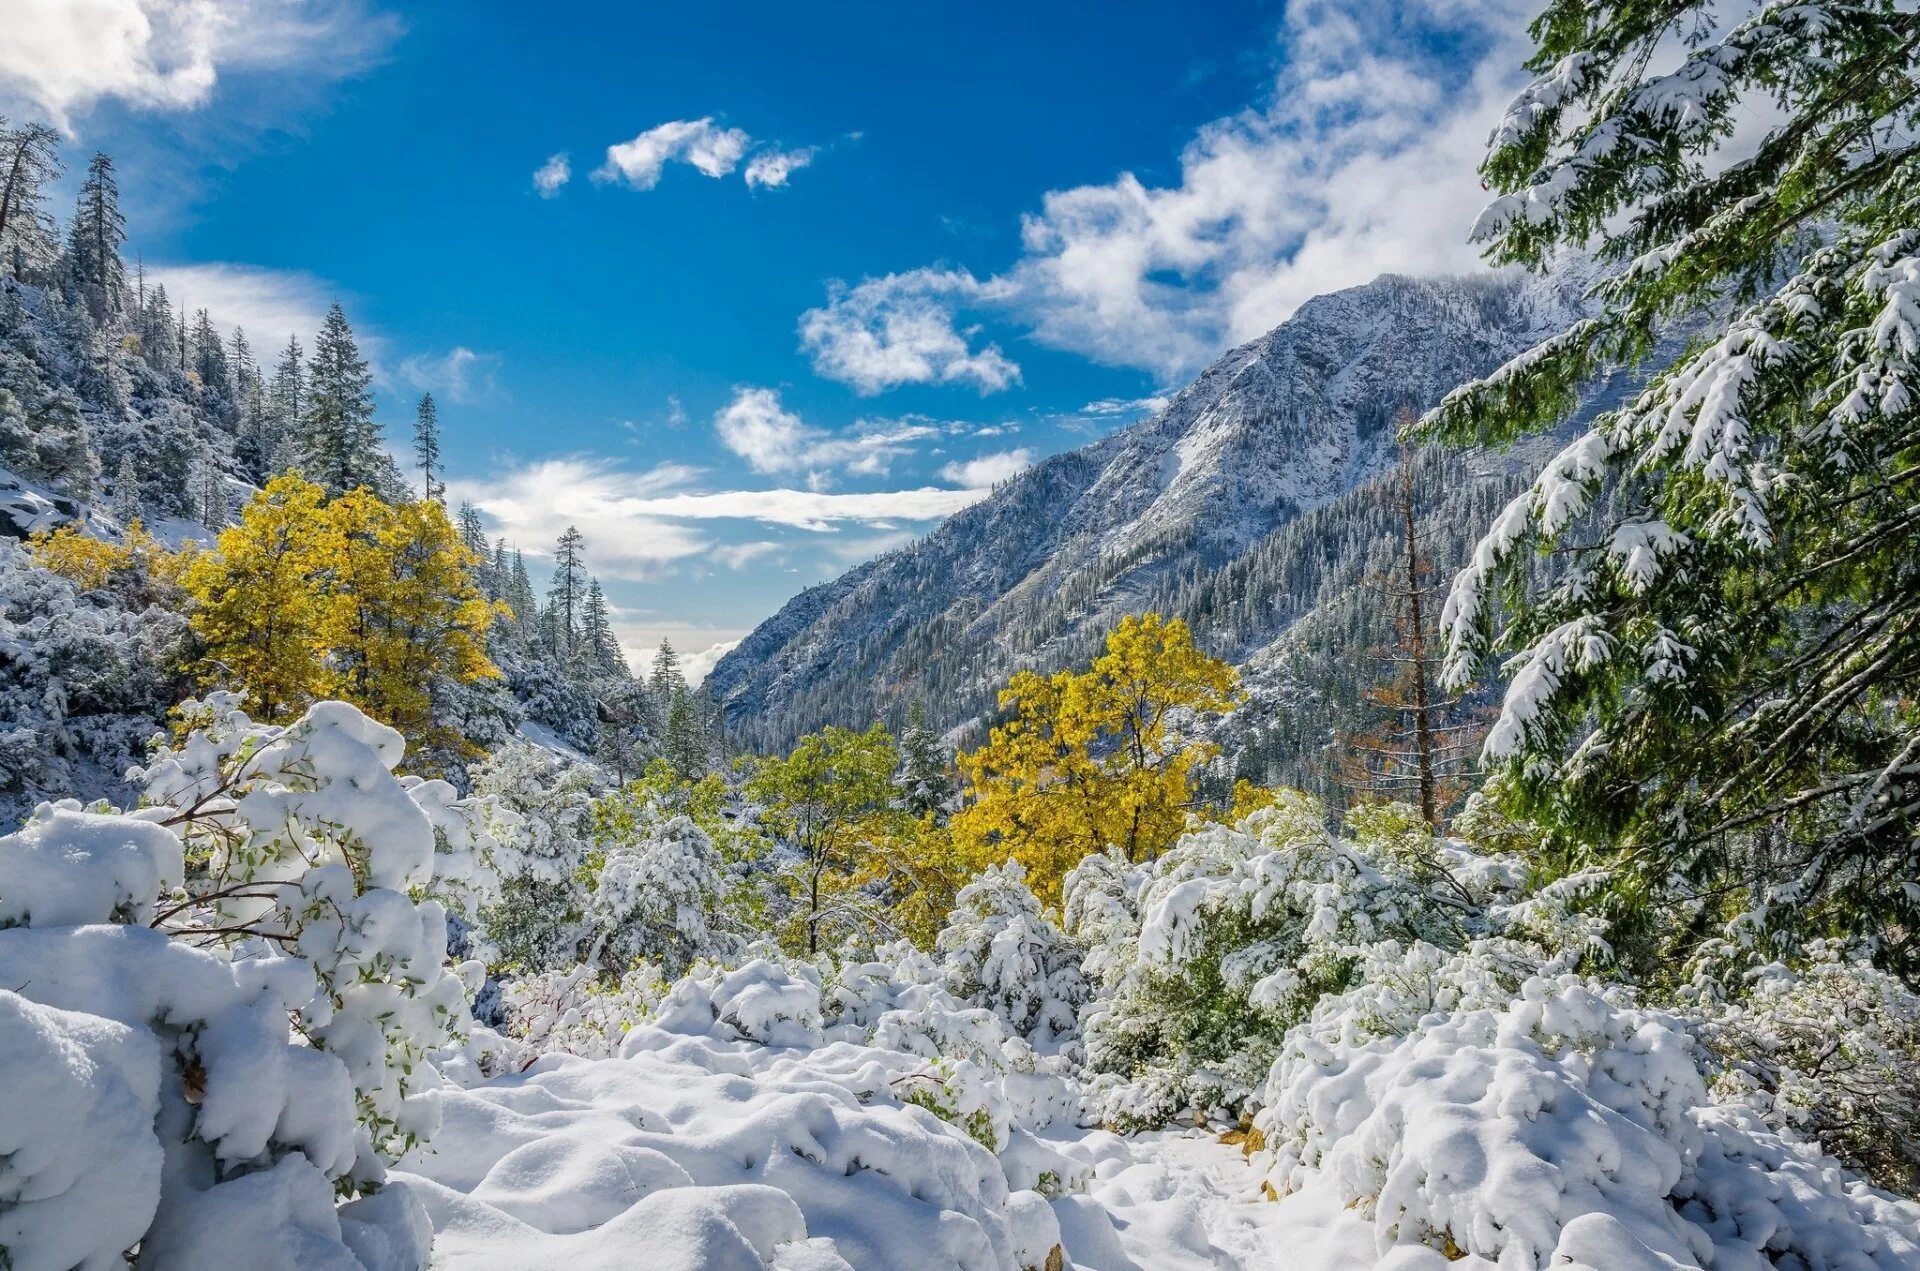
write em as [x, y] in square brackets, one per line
[125, 410]
[1257, 498]
[1443, 794]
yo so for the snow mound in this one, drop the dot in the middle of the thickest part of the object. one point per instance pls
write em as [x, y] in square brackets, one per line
[1567, 1128]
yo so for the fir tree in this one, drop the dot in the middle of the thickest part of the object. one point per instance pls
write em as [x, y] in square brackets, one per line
[126, 491]
[686, 750]
[210, 366]
[94, 239]
[567, 592]
[926, 772]
[596, 632]
[340, 441]
[1715, 680]
[426, 448]
[286, 407]
[29, 162]
[520, 592]
[156, 331]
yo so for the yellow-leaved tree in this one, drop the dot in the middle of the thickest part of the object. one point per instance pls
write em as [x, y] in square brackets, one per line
[1088, 761]
[259, 600]
[354, 598]
[403, 611]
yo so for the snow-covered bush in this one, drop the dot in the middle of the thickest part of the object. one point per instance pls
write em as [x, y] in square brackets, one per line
[656, 893]
[1203, 958]
[538, 810]
[1829, 1050]
[1002, 952]
[300, 837]
[220, 1008]
[1567, 1126]
[577, 1012]
[85, 680]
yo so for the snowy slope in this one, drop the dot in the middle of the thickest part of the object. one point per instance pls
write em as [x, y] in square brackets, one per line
[1031, 575]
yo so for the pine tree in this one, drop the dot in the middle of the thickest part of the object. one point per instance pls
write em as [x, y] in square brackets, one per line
[29, 162]
[286, 407]
[1422, 740]
[426, 448]
[341, 443]
[215, 373]
[686, 750]
[926, 772]
[156, 331]
[94, 239]
[596, 632]
[567, 592]
[520, 592]
[210, 492]
[1714, 591]
[126, 491]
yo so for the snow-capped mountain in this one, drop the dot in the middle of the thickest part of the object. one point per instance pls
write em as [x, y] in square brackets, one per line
[1034, 575]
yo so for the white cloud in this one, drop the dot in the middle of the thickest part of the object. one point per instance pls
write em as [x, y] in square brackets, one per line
[813, 509]
[772, 439]
[705, 146]
[989, 469]
[698, 665]
[901, 329]
[459, 374]
[271, 304]
[635, 522]
[532, 505]
[709, 148]
[698, 648]
[60, 58]
[551, 175]
[1107, 406]
[740, 555]
[771, 168]
[1361, 161]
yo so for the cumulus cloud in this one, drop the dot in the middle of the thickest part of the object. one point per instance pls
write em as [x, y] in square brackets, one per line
[770, 168]
[1360, 161]
[696, 666]
[989, 469]
[902, 329]
[704, 145]
[60, 58]
[459, 374]
[551, 175]
[271, 304]
[772, 439]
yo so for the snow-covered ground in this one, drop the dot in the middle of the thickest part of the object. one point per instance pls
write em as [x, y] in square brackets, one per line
[706, 1155]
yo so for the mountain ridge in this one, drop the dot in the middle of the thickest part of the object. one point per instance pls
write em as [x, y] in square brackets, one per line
[1032, 575]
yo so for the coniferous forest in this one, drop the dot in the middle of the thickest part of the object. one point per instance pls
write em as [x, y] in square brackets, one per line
[1440, 789]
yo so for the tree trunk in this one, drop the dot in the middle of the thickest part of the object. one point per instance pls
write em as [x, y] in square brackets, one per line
[1417, 641]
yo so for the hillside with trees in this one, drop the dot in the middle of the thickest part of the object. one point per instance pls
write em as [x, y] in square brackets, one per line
[419, 931]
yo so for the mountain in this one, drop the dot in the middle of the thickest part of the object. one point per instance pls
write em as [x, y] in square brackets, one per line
[1249, 504]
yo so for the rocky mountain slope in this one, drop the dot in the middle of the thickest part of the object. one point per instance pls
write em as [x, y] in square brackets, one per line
[1158, 515]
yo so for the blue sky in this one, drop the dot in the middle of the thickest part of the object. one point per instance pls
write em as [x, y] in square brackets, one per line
[753, 292]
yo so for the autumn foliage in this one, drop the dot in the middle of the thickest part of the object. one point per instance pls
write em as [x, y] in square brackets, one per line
[1090, 759]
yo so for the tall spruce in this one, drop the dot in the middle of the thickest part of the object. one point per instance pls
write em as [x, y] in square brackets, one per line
[926, 770]
[567, 592]
[1714, 591]
[94, 239]
[29, 162]
[340, 443]
[426, 449]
